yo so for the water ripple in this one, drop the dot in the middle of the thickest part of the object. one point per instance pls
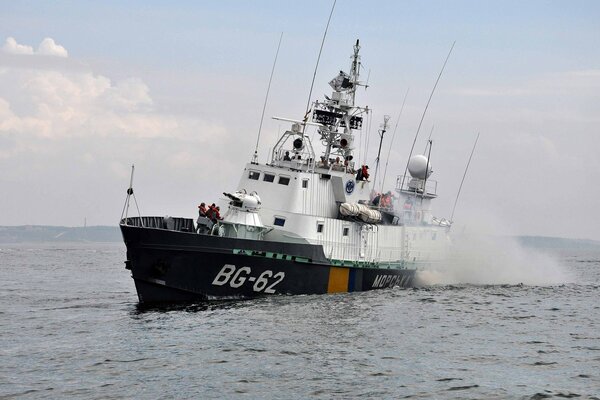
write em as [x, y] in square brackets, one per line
[68, 334]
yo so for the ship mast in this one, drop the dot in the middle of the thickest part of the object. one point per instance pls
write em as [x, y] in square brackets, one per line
[339, 111]
[382, 132]
[355, 70]
[336, 118]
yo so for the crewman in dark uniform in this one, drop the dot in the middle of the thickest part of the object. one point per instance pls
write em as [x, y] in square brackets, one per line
[202, 210]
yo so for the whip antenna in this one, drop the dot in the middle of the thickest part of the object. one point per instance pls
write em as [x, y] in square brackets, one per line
[463, 178]
[367, 137]
[428, 139]
[425, 111]
[316, 68]
[426, 169]
[392, 142]
[262, 117]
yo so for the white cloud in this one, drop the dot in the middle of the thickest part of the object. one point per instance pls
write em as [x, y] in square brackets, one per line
[493, 91]
[47, 47]
[182, 159]
[575, 82]
[63, 127]
[74, 104]
[12, 47]
[129, 95]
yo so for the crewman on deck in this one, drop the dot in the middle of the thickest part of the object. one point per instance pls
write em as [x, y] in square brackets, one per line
[210, 213]
[324, 162]
[365, 172]
[287, 157]
[386, 201]
[217, 213]
[376, 200]
[202, 210]
[337, 164]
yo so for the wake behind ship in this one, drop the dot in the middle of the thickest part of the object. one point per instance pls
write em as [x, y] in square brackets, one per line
[297, 224]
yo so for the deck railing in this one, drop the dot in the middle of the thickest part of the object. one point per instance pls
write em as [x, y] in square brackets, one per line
[168, 223]
[403, 181]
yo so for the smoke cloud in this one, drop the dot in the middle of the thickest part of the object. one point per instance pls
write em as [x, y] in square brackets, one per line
[492, 260]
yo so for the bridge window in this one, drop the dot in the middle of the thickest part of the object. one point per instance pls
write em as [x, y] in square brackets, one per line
[346, 231]
[320, 227]
[304, 183]
[269, 177]
[284, 180]
[253, 175]
[279, 221]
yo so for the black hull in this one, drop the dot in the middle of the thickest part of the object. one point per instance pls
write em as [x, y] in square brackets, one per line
[171, 266]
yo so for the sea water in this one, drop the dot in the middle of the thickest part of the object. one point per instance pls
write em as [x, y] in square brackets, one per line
[71, 327]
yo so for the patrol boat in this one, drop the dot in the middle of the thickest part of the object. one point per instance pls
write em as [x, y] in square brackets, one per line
[297, 224]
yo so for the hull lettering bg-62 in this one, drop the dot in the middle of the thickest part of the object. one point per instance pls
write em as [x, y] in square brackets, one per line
[237, 277]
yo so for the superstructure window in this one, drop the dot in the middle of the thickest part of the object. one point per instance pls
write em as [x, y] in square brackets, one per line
[320, 227]
[279, 221]
[304, 183]
[284, 180]
[346, 231]
[253, 175]
[269, 178]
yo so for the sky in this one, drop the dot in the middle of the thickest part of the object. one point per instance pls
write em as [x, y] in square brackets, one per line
[90, 88]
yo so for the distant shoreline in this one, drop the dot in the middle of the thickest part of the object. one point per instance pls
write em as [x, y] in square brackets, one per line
[112, 234]
[59, 234]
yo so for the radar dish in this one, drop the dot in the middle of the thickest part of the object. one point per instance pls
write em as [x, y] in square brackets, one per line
[418, 167]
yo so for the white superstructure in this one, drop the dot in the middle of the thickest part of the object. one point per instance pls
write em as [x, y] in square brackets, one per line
[319, 198]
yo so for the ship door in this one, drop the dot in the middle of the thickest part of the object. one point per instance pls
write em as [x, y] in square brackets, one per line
[368, 242]
[364, 241]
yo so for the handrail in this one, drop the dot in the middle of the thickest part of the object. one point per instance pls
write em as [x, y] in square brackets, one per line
[403, 185]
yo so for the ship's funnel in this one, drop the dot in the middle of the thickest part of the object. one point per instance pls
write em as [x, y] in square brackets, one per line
[419, 167]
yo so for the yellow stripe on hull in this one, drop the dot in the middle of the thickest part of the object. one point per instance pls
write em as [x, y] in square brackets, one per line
[338, 280]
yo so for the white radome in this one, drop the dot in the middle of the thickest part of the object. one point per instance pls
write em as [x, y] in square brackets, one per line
[417, 166]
